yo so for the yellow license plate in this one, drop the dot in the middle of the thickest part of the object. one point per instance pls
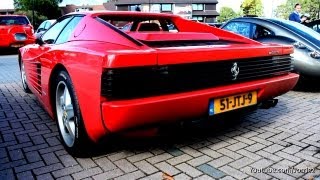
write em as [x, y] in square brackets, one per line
[220, 105]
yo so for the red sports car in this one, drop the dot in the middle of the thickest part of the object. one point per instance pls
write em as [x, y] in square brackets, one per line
[15, 31]
[95, 79]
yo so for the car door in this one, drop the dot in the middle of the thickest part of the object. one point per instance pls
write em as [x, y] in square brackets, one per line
[37, 55]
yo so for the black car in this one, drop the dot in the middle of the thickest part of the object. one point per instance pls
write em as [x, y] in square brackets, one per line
[306, 41]
[315, 25]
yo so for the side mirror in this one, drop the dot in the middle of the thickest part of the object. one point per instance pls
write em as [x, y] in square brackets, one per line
[41, 30]
[39, 40]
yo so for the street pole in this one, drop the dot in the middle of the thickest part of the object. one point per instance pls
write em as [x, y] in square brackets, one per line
[318, 9]
[33, 13]
[149, 6]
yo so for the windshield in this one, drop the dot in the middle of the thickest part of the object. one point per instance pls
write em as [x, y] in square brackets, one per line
[13, 20]
[300, 29]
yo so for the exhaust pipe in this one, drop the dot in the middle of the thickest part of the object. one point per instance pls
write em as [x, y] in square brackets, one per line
[269, 103]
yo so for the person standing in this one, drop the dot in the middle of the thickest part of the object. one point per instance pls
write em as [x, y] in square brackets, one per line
[295, 15]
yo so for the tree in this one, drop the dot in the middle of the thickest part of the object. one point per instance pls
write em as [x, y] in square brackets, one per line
[308, 6]
[226, 14]
[43, 9]
[252, 7]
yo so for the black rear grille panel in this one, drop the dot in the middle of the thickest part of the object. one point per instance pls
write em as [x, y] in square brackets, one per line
[137, 82]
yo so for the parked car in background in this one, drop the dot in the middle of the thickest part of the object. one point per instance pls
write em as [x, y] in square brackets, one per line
[45, 25]
[315, 25]
[306, 42]
[95, 79]
[15, 31]
[217, 25]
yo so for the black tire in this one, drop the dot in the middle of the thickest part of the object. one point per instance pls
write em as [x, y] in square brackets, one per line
[78, 148]
[25, 86]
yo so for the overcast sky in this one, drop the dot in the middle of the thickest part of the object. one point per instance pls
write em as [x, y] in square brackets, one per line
[82, 2]
[6, 4]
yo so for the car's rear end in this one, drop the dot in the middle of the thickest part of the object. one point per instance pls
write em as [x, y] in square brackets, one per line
[158, 76]
[15, 31]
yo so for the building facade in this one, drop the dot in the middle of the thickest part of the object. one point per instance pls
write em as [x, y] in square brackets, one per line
[200, 10]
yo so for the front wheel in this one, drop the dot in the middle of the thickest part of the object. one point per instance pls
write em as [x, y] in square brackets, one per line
[69, 120]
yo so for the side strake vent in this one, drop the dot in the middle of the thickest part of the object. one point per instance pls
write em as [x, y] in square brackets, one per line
[35, 76]
[137, 82]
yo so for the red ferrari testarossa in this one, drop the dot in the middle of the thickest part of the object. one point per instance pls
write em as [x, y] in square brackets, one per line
[98, 73]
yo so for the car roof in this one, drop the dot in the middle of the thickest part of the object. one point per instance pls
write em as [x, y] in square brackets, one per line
[123, 13]
[13, 15]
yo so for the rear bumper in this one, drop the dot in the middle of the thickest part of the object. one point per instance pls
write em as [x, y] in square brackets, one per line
[8, 41]
[125, 114]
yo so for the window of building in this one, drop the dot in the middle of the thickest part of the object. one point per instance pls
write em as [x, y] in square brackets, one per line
[210, 7]
[197, 7]
[135, 8]
[166, 7]
[198, 18]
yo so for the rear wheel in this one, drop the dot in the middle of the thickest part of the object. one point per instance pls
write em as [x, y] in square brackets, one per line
[24, 78]
[68, 115]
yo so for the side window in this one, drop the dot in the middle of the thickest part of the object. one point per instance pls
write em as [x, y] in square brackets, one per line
[66, 32]
[52, 34]
[261, 32]
[241, 28]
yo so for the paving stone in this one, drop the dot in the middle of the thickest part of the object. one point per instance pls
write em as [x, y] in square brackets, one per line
[7, 174]
[140, 157]
[181, 177]
[155, 176]
[47, 176]
[48, 169]
[16, 154]
[211, 171]
[167, 168]
[255, 147]
[175, 152]
[220, 161]
[233, 172]
[125, 165]
[261, 164]
[240, 163]
[120, 155]
[66, 171]
[109, 174]
[288, 156]
[269, 156]
[159, 158]
[105, 164]
[199, 160]
[249, 154]
[210, 152]
[146, 167]
[204, 177]
[25, 175]
[87, 173]
[189, 170]
[192, 152]
[28, 167]
[179, 159]
[86, 163]
[33, 156]
[229, 153]
[219, 145]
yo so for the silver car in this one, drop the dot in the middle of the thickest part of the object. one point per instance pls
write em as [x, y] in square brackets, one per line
[306, 41]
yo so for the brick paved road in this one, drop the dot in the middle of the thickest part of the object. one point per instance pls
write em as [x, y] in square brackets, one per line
[282, 137]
